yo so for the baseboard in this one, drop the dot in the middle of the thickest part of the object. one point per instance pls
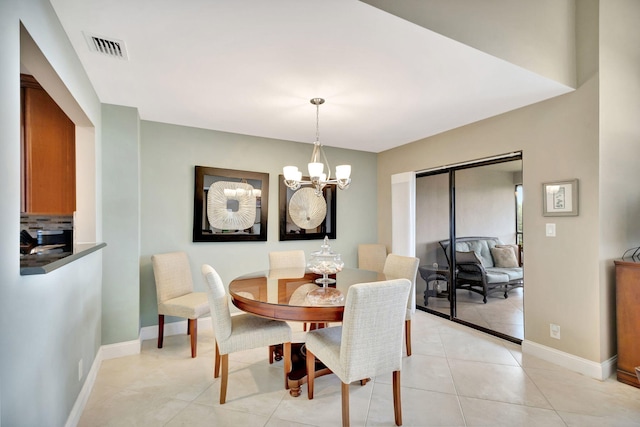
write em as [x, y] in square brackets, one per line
[121, 349]
[105, 352]
[76, 412]
[599, 371]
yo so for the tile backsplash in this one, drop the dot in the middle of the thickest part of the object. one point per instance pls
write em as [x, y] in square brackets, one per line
[34, 222]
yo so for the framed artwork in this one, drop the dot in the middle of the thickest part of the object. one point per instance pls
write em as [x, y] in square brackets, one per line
[305, 216]
[230, 205]
[560, 198]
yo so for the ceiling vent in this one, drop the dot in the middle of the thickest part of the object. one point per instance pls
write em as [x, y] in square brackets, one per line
[107, 46]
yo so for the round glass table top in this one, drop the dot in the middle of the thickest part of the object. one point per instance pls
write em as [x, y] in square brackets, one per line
[292, 294]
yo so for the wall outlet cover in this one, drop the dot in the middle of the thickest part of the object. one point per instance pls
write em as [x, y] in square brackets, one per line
[554, 331]
[550, 230]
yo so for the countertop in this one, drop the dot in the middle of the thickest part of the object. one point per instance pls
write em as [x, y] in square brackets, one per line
[47, 262]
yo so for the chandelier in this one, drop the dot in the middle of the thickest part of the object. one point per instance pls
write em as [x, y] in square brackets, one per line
[318, 178]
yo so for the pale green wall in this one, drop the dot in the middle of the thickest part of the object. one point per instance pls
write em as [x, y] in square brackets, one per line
[49, 322]
[169, 154]
[121, 226]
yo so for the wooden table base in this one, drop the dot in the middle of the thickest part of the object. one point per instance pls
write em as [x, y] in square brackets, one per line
[298, 374]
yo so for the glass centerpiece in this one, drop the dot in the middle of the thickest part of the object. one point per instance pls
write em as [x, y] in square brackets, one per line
[325, 262]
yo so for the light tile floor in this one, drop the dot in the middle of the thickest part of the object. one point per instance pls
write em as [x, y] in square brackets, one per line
[456, 377]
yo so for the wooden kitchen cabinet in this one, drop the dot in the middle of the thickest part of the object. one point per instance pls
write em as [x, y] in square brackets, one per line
[628, 320]
[48, 153]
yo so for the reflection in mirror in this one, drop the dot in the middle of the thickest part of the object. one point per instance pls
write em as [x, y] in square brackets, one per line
[432, 225]
[487, 204]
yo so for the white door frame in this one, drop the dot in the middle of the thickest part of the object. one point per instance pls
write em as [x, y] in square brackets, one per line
[403, 213]
[403, 219]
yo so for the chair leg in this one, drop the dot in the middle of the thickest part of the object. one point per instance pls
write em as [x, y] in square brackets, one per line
[193, 328]
[407, 335]
[311, 373]
[225, 377]
[287, 363]
[345, 405]
[397, 402]
[160, 329]
[272, 349]
[304, 327]
[216, 366]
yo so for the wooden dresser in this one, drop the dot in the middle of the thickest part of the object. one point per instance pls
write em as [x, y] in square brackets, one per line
[628, 320]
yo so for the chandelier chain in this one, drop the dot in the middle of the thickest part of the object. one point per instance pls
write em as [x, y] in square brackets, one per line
[318, 123]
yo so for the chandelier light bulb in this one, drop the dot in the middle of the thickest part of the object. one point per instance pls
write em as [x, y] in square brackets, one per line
[290, 172]
[315, 169]
[343, 171]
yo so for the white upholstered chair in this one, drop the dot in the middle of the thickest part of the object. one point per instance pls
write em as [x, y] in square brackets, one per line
[371, 256]
[398, 266]
[287, 259]
[242, 332]
[292, 263]
[174, 289]
[367, 344]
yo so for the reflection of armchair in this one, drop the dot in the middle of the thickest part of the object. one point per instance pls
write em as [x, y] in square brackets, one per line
[485, 265]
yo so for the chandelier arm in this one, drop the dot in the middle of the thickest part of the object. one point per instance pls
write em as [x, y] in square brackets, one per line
[317, 156]
[327, 163]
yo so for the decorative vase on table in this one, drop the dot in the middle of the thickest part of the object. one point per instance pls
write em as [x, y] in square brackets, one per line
[325, 262]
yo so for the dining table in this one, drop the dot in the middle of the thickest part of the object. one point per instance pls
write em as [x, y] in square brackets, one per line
[292, 294]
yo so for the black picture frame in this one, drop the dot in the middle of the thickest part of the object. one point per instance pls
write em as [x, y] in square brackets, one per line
[290, 231]
[240, 181]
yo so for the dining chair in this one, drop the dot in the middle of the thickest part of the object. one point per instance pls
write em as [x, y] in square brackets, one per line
[371, 256]
[367, 344]
[287, 259]
[242, 332]
[175, 294]
[398, 266]
[291, 260]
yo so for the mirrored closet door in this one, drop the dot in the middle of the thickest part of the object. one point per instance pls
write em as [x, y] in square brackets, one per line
[479, 280]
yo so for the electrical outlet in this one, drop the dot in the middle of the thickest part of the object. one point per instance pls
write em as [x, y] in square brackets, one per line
[80, 370]
[554, 331]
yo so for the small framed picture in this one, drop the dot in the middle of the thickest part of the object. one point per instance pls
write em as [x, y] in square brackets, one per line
[560, 198]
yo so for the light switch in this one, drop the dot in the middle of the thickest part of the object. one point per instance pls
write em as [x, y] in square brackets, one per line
[551, 230]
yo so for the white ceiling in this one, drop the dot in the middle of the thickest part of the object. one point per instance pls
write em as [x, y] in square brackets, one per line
[251, 67]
